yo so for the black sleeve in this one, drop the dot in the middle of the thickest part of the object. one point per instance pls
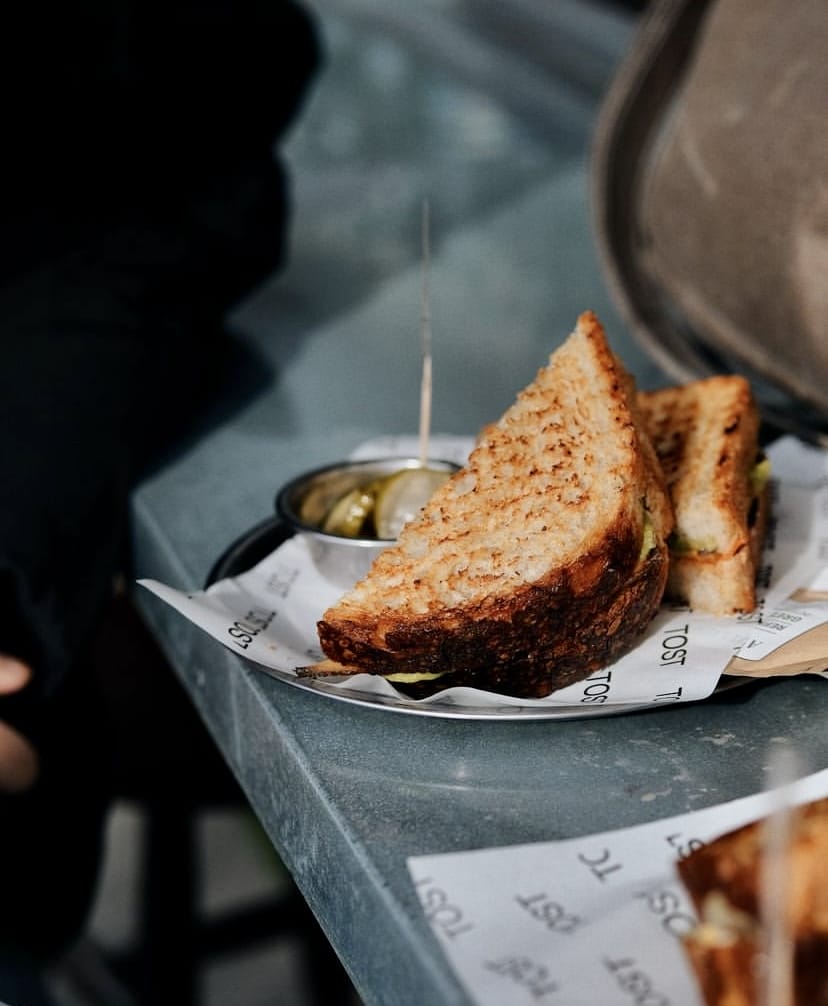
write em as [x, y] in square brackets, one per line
[145, 200]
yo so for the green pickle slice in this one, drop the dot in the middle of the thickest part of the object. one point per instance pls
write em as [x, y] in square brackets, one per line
[381, 508]
[348, 516]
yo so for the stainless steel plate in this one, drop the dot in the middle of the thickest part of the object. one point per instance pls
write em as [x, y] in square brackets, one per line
[255, 544]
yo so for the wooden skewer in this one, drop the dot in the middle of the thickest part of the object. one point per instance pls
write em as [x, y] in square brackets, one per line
[425, 336]
[777, 979]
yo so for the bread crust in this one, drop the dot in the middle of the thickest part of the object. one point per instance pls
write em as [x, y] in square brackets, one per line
[523, 635]
[705, 435]
[530, 644]
[728, 975]
[732, 864]
[726, 963]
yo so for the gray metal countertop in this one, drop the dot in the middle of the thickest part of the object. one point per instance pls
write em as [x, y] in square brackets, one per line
[347, 793]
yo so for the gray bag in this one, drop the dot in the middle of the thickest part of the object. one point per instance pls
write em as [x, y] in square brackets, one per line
[710, 192]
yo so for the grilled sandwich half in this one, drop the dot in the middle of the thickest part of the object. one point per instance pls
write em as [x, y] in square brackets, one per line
[705, 434]
[541, 560]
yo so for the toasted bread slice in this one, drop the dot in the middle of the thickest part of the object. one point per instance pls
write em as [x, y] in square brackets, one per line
[724, 881]
[705, 434]
[541, 560]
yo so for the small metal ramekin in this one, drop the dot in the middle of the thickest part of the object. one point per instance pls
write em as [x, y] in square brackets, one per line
[304, 501]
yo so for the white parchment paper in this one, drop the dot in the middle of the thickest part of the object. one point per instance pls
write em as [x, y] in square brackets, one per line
[268, 615]
[581, 922]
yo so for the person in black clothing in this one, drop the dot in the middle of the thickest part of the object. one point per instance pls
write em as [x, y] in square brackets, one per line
[142, 199]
